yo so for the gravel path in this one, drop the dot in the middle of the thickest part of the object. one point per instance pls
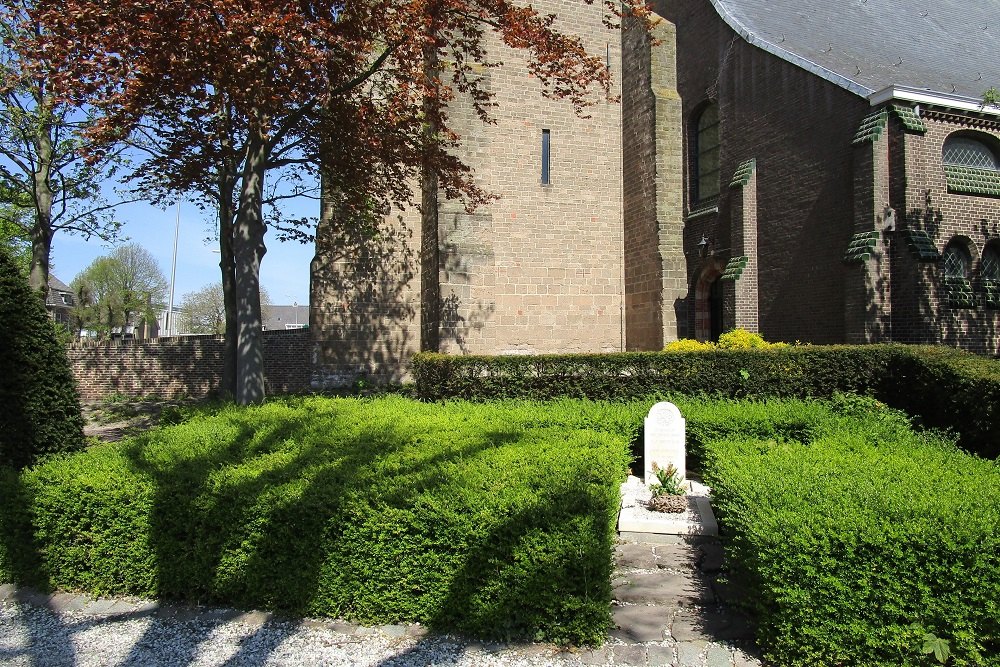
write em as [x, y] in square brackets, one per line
[76, 631]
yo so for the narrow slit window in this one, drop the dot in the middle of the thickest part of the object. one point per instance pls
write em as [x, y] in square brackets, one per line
[546, 157]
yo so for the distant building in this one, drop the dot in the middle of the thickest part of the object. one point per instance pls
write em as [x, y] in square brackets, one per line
[60, 301]
[284, 318]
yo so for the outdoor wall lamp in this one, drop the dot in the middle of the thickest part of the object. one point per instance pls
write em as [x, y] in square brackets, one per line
[703, 246]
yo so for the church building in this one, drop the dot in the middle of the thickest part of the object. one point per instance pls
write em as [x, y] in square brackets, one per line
[815, 171]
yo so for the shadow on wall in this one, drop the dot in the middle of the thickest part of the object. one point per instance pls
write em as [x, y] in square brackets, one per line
[944, 320]
[182, 366]
[363, 317]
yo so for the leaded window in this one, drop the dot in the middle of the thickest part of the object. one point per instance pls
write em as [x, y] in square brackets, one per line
[706, 152]
[966, 151]
[990, 266]
[956, 261]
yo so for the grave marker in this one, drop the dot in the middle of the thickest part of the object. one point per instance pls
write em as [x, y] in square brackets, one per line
[664, 441]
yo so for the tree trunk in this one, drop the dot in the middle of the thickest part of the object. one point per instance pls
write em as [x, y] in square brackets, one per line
[41, 231]
[430, 248]
[227, 261]
[249, 249]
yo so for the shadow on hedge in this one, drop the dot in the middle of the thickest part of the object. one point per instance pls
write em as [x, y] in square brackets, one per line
[328, 530]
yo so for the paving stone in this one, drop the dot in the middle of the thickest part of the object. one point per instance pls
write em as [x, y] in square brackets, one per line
[145, 607]
[630, 655]
[98, 607]
[676, 556]
[635, 556]
[719, 656]
[660, 656]
[121, 607]
[712, 557]
[32, 597]
[687, 626]
[710, 624]
[689, 654]
[255, 618]
[597, 656]
[663, 587]
[220, 615]
[393, 630]
[416, 630]
[641, 623]
[62, 601]
[727, 591]
[743, 659]
[344, 627]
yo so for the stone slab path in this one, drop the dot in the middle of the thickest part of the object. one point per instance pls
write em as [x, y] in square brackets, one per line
[671, 606]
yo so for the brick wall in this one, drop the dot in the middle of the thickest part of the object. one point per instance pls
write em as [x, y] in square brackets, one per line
[799, 128]
[921, 312]
[183, 365]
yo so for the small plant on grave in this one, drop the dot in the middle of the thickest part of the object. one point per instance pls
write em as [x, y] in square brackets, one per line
[668, 494]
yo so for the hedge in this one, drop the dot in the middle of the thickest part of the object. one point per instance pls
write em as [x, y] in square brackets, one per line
[857, 538]
[946, 388]
[494, 521]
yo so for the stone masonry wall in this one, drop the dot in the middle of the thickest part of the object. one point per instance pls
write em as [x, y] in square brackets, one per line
[655, 270]
[189, 366]
[538, 270]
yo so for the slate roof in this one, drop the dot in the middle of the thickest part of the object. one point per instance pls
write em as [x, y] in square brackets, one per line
[947, 47]
[57, 289]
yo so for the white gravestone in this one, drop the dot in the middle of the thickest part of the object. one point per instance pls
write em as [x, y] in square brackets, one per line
[664, 441]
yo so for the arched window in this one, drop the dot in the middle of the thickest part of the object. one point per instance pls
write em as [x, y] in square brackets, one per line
[989, 266]
[956, 260]
[964, 150]
[989, 271]
[705, 183]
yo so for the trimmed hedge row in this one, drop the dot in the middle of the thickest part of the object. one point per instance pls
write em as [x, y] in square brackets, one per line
[946, 388]
[495, 521]
[856, 537]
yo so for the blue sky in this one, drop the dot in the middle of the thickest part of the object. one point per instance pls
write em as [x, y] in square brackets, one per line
[284, 271]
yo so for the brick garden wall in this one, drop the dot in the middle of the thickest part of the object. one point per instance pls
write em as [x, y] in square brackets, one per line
[183, 366]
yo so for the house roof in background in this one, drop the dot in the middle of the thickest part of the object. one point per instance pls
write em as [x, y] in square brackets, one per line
[947, 47]
[284, 317]
[57, 289]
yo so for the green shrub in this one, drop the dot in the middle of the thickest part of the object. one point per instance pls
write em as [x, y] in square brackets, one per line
[39, 406]
[496, 521]
[857, 537]
[946, 388]
[689, 345]
[741, 339]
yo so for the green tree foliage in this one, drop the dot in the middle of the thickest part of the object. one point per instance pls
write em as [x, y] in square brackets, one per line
[39, 406]
[44, 178]
[13, 236]
[119, 290]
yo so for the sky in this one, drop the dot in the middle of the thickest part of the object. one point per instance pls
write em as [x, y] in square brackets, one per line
[284, 271]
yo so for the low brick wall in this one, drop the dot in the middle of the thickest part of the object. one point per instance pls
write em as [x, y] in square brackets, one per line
[183, 365]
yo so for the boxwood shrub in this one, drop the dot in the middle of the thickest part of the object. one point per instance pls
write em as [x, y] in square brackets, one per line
[855, 536]
[946, 388]
[496, 521]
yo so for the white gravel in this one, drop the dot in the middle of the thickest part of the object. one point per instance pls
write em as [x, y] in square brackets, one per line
[33, 636]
